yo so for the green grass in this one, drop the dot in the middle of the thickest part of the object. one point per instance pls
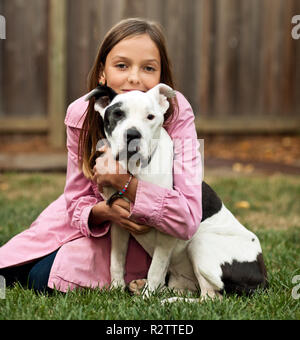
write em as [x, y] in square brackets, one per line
[274, 215]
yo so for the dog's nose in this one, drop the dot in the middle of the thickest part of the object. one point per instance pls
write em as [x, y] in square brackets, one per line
[132, 134]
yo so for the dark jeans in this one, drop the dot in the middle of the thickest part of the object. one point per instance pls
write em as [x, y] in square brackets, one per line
[34, 275]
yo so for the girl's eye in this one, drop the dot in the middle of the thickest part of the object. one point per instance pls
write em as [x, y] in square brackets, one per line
[149, 68]
[151, 117]
[121, 66]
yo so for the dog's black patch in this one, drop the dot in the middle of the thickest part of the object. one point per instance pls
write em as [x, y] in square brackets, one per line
[244, 277]
[102, 91]
[113, 115]
[211, 203]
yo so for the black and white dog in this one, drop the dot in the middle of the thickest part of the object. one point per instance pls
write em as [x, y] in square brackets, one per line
[223, 254]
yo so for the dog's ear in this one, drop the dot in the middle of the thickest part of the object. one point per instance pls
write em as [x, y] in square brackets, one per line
[103, 97]
[161, 93]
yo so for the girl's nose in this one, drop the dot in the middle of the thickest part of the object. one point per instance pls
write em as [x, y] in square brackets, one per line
[133, 77]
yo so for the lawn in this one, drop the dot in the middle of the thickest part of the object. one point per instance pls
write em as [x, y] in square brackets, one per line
[272, 211]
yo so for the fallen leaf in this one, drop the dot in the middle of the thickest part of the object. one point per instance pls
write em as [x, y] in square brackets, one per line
[287, 142]
[237, 167]
[242, 205]
[4, 186]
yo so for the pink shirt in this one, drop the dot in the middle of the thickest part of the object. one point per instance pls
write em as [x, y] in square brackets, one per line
[83, 259]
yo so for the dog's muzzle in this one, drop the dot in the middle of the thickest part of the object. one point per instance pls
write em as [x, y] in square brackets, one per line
[131, 134]
[132, 138]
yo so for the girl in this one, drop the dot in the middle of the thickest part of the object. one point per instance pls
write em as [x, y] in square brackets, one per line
[68, 246]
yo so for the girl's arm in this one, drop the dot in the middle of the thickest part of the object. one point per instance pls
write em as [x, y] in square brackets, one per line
[79, 192]
[87, 211]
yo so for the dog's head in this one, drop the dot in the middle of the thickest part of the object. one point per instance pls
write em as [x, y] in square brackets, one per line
[132, 121]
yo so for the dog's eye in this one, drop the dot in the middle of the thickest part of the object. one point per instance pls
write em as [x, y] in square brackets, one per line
[118, 114]
[150, 117]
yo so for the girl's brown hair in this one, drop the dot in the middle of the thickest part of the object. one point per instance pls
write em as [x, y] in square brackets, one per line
[92, 129]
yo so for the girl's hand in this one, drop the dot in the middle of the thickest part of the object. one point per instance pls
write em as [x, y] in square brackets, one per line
[107, 171]
[118, 214]
[120, 211]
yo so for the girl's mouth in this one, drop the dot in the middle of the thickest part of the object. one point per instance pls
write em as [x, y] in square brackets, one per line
[129, 90]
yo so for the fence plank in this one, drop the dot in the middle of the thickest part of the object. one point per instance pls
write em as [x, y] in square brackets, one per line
[134, 8]
[177, 39]
[112, 12]
[249, 57]
[24, 125]
[226, 57]
[289, 62]
[57, 71]
[248, 125]
[204, 56]
[78, 46]
[296, 70]
[24, 58]
[88, 21]
[191, 69]
[270, 67]
[154, 10]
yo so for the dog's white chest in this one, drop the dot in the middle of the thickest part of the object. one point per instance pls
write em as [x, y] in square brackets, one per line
[160, 169]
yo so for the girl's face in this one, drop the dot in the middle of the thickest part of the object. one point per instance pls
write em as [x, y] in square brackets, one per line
[133, 64]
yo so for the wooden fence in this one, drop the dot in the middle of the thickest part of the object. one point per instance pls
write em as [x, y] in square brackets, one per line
[235, 60]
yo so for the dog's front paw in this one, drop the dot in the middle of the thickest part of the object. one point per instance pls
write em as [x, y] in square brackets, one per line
[179, 299]
[149, 289]
[137, 286]
[120, 283]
